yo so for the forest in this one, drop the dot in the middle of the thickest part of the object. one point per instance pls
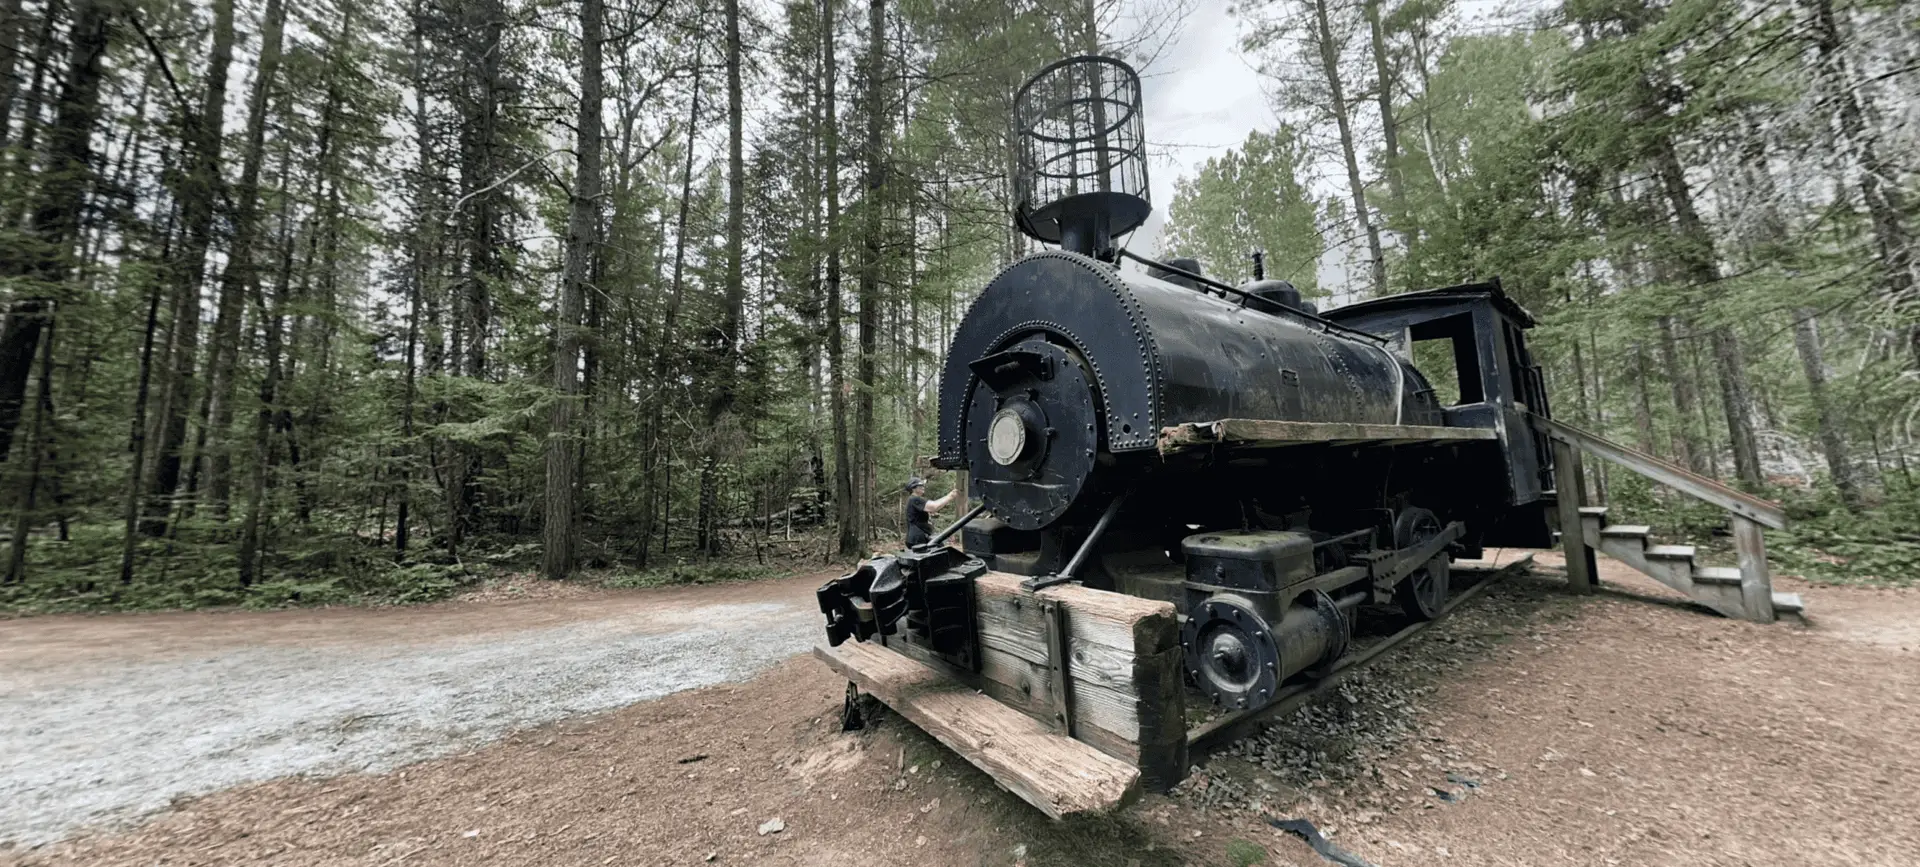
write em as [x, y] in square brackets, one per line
[313, 302]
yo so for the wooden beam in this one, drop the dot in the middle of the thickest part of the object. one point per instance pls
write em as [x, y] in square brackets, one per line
[1699, 487]
[1568, 492]
[1057, 774]
[1264, 433]
[1756, 584]
[1124, 673]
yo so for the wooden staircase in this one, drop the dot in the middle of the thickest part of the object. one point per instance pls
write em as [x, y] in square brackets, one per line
[1717, 587]
[1745, 591]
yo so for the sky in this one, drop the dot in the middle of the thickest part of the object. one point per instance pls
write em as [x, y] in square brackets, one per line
[1202, 96]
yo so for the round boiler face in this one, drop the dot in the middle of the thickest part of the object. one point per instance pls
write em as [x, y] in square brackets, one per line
[1006, 437]
[1032, 433]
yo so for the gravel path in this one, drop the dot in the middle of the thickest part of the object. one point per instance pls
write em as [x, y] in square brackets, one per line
[143, 714]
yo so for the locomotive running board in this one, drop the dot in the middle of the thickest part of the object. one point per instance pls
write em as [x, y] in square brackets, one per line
[1248, 433]
[1126, 704]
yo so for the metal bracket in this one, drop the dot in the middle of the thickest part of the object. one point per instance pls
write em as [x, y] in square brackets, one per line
[1407, 560]
[850, 718]
[1053, 621]
[1080, 555]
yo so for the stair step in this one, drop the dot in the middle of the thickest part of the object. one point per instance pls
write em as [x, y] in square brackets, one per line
[1716, 575]
[1593, 511]
[1641, 530]
[1788, 603]
[1670, 552]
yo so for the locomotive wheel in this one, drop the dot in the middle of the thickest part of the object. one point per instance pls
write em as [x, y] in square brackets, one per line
[1422, 594]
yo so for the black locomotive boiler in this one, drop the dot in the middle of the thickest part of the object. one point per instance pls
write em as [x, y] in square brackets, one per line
[1266, 468]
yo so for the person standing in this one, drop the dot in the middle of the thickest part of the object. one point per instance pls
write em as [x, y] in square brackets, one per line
[919, 519]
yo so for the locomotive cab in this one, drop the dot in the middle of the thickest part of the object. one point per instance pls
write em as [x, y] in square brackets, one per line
[1470, 340]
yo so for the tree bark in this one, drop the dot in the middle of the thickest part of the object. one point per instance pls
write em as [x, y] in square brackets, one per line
[659, 492]
[725, 341]
[1685, 443]
[36, 453]
[54, 217]
[874, 181]
[424, 247]
[1330, 67]
[583, 226]
[846, 508]
[1389, 125]
[1643, 405]
[1833, 444]
[216, 412]
[1700, 266]
[1879, 180]
[270, 317]
[137, 439]
[201, 141]
[11, 20]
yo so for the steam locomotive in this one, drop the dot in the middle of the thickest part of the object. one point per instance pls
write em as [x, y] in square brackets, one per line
[1269, 469]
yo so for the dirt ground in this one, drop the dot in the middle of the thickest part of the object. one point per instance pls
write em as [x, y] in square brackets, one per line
[1618, 729]
[104, 719]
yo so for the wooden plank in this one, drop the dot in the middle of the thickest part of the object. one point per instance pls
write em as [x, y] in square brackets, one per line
[1058, 775]
[1256, 433]
[1756, 584]
[1123, 669]
[1581, 566]
[1738, 502]
[1118, 666]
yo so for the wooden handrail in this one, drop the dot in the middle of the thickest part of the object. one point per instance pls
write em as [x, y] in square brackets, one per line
[1692, 484]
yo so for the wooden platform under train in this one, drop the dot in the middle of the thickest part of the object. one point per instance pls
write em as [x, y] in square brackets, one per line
[1084, 726]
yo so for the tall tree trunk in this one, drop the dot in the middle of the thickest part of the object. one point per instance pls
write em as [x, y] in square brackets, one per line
[216, 412]
[269, 315]
[1429, 141]
[36, 446]
[583, 226]
[659, 491]
[425, 247]
[1879, 180]
[11, 23]
[482, 173]
[846, 508]
[1699, 264]
[45, 260]
[24, 151]
[874, 181]
[137, 440]
[1389, 125]
[202, 144]
[1686, 444]
[1643, 404]
[1833, 444]
[727, 338]
[1330, 67]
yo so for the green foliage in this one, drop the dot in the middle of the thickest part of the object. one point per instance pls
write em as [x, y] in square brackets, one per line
[687, 573]
[1251, 198]
[1245, 853]
[1826, 544]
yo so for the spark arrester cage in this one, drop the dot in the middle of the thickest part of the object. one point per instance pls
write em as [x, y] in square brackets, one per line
[1081, 142]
